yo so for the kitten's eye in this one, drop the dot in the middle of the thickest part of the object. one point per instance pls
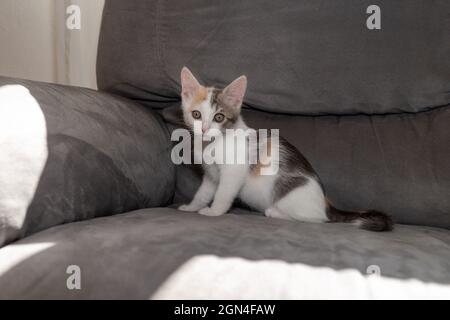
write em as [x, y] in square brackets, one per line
[196, 114]
[219, 117]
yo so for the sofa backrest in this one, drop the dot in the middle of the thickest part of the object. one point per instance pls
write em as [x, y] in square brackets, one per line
[301, 56]
[360, 87]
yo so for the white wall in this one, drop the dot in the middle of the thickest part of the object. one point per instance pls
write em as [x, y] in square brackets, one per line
[35, 44]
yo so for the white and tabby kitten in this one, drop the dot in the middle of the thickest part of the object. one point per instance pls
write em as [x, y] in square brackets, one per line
[294, 192]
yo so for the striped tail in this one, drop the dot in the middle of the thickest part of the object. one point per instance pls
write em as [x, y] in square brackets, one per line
[368, 220]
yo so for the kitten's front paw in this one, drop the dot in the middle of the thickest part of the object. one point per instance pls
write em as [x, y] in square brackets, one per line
[208, 211]
[187, 208]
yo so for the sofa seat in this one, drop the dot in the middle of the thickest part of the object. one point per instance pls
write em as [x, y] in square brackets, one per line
[129, 256]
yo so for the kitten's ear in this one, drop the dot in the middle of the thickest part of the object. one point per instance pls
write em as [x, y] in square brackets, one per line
[233, 94]
[189, 85]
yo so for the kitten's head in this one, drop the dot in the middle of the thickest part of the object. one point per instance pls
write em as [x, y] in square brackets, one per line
[206, 108]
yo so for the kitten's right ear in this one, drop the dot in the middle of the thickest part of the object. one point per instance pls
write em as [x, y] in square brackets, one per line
[189, 85]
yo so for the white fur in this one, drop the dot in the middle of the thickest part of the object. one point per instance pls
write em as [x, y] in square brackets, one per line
[304, 203]
[221, 185]
[257, 191]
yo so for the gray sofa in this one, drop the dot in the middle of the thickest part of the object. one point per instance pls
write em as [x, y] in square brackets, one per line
[87, 177]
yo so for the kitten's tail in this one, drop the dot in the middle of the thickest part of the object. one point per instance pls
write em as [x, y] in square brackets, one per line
[371, 220]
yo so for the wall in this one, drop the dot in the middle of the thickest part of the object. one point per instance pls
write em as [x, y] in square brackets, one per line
[35, 43]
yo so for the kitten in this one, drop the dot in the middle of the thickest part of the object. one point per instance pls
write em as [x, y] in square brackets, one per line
[294, 192]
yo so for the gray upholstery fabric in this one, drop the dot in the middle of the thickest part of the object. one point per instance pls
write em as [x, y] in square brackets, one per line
[303, 57]
[106, 155]
[397, 163]
[129, 255]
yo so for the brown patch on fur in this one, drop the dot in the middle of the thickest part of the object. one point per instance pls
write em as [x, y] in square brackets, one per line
[200, 96]
[295, 171]
[256, 170]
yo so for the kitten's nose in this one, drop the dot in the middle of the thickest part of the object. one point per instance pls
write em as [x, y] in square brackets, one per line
[204, 129]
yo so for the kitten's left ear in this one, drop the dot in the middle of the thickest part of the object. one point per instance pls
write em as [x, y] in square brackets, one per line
[233, 94]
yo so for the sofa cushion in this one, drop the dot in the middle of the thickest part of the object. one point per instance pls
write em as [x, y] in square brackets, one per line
[130, 255]
[301, 57]
[70, 154]
[398, 164]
